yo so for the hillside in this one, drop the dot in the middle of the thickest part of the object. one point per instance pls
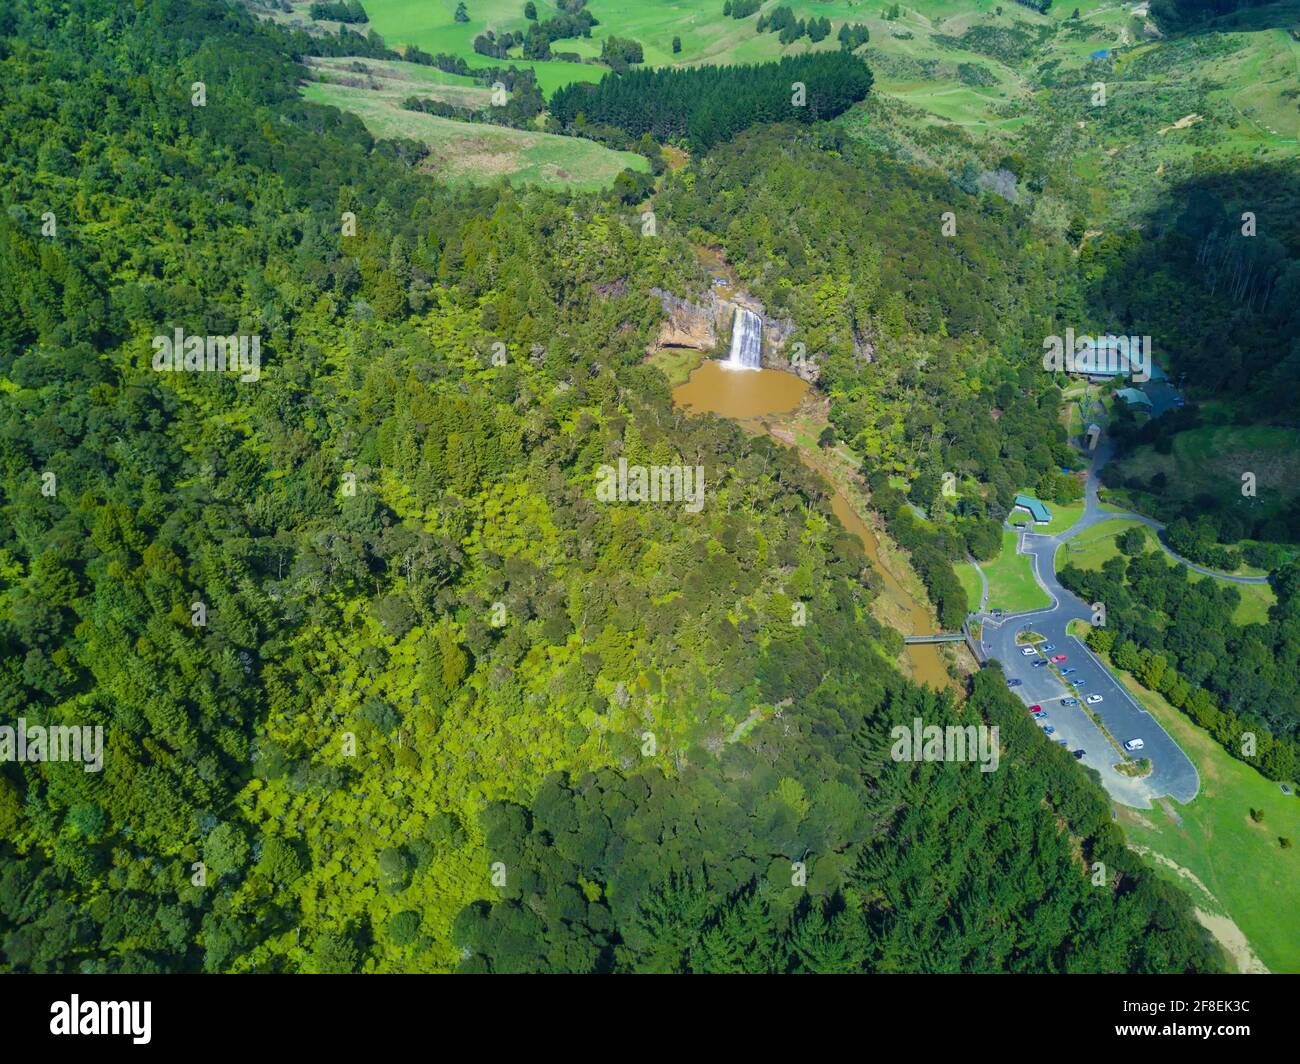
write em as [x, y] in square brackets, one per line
[387, 680]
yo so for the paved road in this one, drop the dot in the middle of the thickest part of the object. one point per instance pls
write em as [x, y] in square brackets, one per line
[1172, 771]
[1158, 527]
[1093, 514]
[984, 584]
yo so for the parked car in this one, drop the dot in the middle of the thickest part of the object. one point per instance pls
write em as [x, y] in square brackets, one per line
[1067, 672]
[1092, 700]
[1134, 744]
[1040, 715]
[1014, 682]
[1061, 742]
[1048, 647]
[1039, 663]
[1027, 651]
[1058, 658]
[1069, 701]
[1048, 729]
[1080, 753]
[1078, 683]
[1035, 708]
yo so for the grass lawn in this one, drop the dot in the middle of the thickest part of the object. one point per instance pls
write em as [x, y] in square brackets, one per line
[1091, 549]
[1074, 420]
[970, 580]
[474, 153]
[1012, 586]
[1212, 459]
[1063, 517]
[676, 363]
[1230, 865]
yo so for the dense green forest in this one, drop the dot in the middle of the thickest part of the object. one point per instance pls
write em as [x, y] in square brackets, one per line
[912, 328]
[1173, 633]
[910, 867]
[1186, 14]
[1214, 279]
[357, 632]
[702, 106]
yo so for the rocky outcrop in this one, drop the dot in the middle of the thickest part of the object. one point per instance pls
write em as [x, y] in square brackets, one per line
[706, 326]
[610, 289]
[780, 351]
[694, 325]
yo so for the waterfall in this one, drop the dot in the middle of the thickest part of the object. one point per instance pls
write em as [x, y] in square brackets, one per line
[746, 341]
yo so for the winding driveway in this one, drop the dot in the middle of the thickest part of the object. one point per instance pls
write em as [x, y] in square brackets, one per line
[1172, 772]
[1157, 528]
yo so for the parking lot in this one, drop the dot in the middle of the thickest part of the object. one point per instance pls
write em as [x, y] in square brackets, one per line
[1172, 772]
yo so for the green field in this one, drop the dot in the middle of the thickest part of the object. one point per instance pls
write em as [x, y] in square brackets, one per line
[394, 81]
[970, 580]
[1212, 459]
[957, 82]
[1063, 517]
[917, 55]
[1093, 548]
[469, 152]
[678, 363]
[1211, 848]
[1012, 586]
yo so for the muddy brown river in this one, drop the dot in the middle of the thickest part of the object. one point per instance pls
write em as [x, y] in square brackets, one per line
[746, 395]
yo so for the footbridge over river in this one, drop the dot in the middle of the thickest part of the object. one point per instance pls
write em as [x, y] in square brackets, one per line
[964, 636]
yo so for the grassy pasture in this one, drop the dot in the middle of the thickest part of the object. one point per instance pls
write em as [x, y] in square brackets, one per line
[1093, 548]
[1229, 864]
[395, 81]
[478, 153]
[917, 58]
[970, 581]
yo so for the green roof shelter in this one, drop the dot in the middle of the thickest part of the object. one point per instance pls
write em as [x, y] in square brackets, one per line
[1040, 513]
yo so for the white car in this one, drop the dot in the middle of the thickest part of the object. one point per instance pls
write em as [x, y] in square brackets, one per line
[1092, 700]
[1028, 651]
[1134, 744]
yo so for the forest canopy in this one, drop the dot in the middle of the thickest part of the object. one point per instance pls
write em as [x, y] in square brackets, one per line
[357, 631]
[702, 106]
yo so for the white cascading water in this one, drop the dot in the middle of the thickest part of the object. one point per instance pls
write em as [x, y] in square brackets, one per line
[746, 341]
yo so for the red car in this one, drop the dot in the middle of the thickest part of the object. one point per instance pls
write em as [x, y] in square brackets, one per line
[1035, 709]
[1059, 658]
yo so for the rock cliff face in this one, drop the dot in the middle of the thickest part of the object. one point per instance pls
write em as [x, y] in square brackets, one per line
[706, 326]
[695, 325]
